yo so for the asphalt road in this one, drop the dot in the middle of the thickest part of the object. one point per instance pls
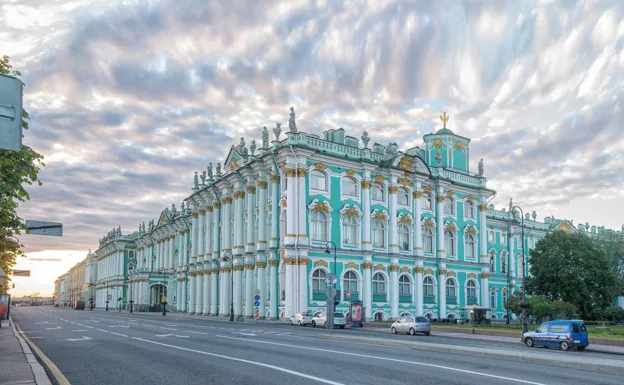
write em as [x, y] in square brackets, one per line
[93, 347]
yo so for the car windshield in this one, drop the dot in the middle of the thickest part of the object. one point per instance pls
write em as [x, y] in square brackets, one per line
[422, 319]
[338, 315]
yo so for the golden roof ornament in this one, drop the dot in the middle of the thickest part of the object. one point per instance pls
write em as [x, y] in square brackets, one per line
[444, 118]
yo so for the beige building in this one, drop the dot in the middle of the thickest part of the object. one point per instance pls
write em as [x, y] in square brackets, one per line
[78, 284]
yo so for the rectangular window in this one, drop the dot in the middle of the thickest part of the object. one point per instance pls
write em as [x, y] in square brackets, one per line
[319, 182]
[428, 242]
[379, 238]
[427, 202]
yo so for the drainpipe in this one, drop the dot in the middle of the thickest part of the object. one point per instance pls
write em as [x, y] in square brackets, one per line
[218, 237]
[276, 220]
[297, 224]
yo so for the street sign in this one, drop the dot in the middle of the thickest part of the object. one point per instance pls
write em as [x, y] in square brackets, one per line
[257, 303]
[331, 279]
[11, 95]
[348, 294]
[257, 291]
[257, 298]
[109, 297]
[21, 273]
[44, 228]
[330, 292]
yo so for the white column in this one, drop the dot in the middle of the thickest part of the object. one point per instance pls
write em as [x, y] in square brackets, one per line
[199, 292]
[367, 295]
[227, 228]
[300, 211]
[303, 284]
[442, 291]
[273, 289]
[216, 232]
[418, 248]
[208, 237]
[483, 232]
[249, 286]
[366, 221]
[275, 212]
[226, 305]
[201, 222]
[394, 288]
[291, 204]
[250, 246]
[261, 244]
[512, 257]
[239, 218]
[261, 284]
[192, 293]
[440, 224]
[172, 243]
[394, 241]
[194, 228]
[238, 295]
[207, 278]
[419, 290]
[178, 295]
[214, 299]
[290, 289]
[485, 298]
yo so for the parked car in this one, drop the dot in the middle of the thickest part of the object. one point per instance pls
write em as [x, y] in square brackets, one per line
[79, 305]
[320, 319]
[563, 334]
[411, 325]
[301, 319]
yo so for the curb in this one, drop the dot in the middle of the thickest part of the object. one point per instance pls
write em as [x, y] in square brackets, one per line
[39, 362]
[499, 354]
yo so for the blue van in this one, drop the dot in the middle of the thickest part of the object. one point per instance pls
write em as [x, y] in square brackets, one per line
[564, 334]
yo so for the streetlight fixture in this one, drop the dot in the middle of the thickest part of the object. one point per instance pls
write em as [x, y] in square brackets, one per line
[227, 256]
[523, 304]
[331, 301]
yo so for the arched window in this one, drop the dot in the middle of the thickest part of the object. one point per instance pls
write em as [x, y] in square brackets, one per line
[318, 280]
[130, 266]
[503, 238]
[349, 230]
[379, 234]
[379, 316]
[378, 192]
[491, 237]
[318, 232]
[493, 299]
[469, 246]
[282, 226]
[503, 262]
[471, 290]
[349, 187]
[379, 284]
[269, 222]
[427, 234]
[449, 240]
[402, 197]
[404, 237]
[427, 201]
[405, 285]
[350, 282]
[469, 210]
[451, 288]
[449, 206]
[428, 287]
[318, 180]
[492, 261]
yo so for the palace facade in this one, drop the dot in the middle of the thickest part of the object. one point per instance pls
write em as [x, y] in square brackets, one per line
[404, 232]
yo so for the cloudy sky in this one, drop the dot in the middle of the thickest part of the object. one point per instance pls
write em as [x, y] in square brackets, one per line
[129, 98]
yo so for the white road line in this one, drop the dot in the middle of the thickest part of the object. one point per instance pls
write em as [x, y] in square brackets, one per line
[118, 334]
[389, 359]
[294, 373]
[102, 330]
[81, 330]
[160, 327]
[188, 331]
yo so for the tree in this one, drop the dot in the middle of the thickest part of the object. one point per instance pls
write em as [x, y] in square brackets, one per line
[569, 267]
[17, 169]
[612, 243]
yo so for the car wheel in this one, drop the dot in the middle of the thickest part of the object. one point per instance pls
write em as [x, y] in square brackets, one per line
[393, 330]
[529, 342]
[313, 324]
[300, 323]
[291, 324]
[428, 333]
[412, 331]
[565, 346]
[341, 326]
[581, 348]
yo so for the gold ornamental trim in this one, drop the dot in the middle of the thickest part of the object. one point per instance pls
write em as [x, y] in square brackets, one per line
[429, 271]
[451, 227]
[273, 262]
[417, 194]
[249, 266]
[472, 275]
[366, 184]
[452, 274]
[209, 209]
[239, 268]
[367, 265]
[380, 216]
[290, 261]
[322, 207]
[483, 207]
[303, 261]
[379, 179]
[320, 262]
[283, 203]
[350, 172]
[450, 193]
[302, 172]
[405, 182]
[406, 163]
[442, 272]
[216, 205]
[405, 220]
[459, 146]
[472, 230]
[250, 244]
[263, 184]
[429, 223]
[290, 172]
[261, 265]
[351, 211]
[394, 268]
[419, 269]
[233, 165]
[440, 199]
[405, 270]
[485, 275]
[226, 269]
[273, 178]
[380, 267]
[320, 167]
[351, 265]
[227, 200]
[239, 194]
[194, 215]
[427, 189]
[393, 189]
[438, 143]
[470, 197]
[250, 189]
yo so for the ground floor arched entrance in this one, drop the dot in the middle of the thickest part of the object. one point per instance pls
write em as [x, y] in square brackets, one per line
[157, 292]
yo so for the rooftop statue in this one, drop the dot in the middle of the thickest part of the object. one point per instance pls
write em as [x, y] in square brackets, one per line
[265, 138]
[438, 157]
[534, 214]
[365, 139]
[203, 177]
[218, 169]
[292, 126]
[173, 209]
[183, 208]
[242, 150]
[119, 230]
[277, 130]
[444, 118]
[481, 167]
[252, 147]
[210, 176]
[195, 181]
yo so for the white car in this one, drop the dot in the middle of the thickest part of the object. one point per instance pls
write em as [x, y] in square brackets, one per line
[320, 319]
[301, 319]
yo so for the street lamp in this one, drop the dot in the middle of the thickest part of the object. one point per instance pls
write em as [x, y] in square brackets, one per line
[162, 271]
[104, 283]
[331, 301]
[130, 290]
[227, 256]
[523, 304]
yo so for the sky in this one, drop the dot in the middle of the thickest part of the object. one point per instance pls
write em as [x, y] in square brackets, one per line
[129, 98]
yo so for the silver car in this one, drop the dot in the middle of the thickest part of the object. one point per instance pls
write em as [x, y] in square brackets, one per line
[411, 325]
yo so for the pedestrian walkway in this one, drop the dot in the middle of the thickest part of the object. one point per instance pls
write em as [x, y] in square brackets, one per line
[18, 365]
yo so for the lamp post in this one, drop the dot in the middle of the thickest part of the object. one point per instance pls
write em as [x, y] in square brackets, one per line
[130, 290]
[164, 297]
[227, 256]
[524, 303]
[331, 300]
[104, 283]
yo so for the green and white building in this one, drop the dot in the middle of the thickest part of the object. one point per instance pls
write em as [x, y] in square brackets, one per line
[414, 233]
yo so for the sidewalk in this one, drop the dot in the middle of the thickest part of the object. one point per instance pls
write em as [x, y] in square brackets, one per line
[18, 365]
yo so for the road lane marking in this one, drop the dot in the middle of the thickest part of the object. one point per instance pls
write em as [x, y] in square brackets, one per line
[388, 359]
[56, 328]
[188, 331]
[84, 338]
[160, 327]
[169, 335]
[119, 334]
[294, 373]
[80, 330]
[102, 330]
[119, 326]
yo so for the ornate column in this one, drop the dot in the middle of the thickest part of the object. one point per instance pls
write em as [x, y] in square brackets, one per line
[367, 295]
[194, 227]
[199, 293]
[172, 244]
[227, 228]
[250, 246]
[249, 286]
[273, 289]
[394, 241]
[192, 278]
[512, 258]
[179, 296]
[442, 291]
[303, 284]
[366, 220]
[226, 270]
[394, 287]
[261, 244]
[419, 290]
[201, 242]
[261, 285]
[291, 204]
[440, 223]
[239, 242]
[275, 211]
[216, 231]
[485, 300]
[418, 241]
[214, 291]
[238, 280]
[208, 234]
[300, 211]
[206, 296]
[290, 289]
[483, 232]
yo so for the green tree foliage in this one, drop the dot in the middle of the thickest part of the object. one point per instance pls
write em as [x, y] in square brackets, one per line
[570, 267]
[612, 243]
[18, 169]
